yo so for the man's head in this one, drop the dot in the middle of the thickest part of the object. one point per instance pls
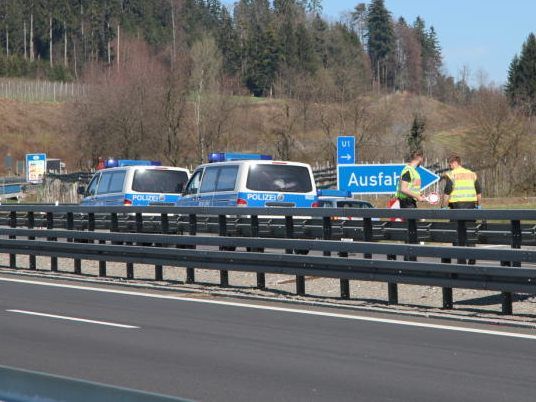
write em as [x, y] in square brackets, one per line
[454, 161]
[416, 158]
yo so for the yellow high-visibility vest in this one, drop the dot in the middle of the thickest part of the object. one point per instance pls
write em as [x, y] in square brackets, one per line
[414, 186]
[463, 185]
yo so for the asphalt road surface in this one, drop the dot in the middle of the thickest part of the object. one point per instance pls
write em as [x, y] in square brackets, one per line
[202, 348]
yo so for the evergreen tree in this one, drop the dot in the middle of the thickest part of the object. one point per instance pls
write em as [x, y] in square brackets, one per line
[431, 58]
[381, 41]
[415, 137]
[513, 79]
[521, 86]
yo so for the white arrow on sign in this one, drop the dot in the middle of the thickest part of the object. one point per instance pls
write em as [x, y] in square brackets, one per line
[347, 157]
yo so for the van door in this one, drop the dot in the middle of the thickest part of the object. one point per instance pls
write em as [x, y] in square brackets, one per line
[190, 197]
[91, 191]
[110, 189]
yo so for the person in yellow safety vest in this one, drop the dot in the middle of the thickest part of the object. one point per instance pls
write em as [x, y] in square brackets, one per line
[462, 189]
[409, 185]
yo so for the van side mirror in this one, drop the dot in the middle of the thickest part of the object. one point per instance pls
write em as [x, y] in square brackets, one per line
[81, 190]
[180, 188]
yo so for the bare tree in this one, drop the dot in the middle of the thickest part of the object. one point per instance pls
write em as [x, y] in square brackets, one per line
[205, 82]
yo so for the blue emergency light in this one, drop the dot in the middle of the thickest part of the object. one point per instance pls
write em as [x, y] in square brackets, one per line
[334, 193]
[236, 156]
[111, 163]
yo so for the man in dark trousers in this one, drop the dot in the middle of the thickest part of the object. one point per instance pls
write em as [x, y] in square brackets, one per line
[462, 189]
[409, 185]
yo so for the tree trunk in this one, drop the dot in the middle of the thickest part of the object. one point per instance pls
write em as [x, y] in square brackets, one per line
[31, 38]
[25, 48]
[82, 31]
[109, 46]
[7, 41]
[117, 50]
[64, 43]
[74, 58]
[50, 38]
[174, 52]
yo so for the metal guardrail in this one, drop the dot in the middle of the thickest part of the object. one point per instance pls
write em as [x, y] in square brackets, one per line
[171, 236]
[31, 386]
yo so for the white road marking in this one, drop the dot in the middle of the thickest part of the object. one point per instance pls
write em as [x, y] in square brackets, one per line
[281, 309]
[63, 317]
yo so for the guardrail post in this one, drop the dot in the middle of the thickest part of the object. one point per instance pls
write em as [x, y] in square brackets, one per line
[392, 288]
[114, 222]
[507, 308]
[50, 226]
[190, 272]
[31, 225]
[289, 232]
[102, 263]
[413, 237]
[13, 225]
[506, 303]
[516, 239]
[224, 274]
[447, 293]
[70, 225]
[326, 235]
[367, 234]
[139, 222]
[261, 277]
[91, 228]
[461, 230]
[164, 228]
[139, 229]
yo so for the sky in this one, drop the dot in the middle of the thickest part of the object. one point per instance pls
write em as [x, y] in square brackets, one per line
[483, 35]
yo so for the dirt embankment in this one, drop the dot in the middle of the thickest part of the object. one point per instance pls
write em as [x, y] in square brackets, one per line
[34, 127]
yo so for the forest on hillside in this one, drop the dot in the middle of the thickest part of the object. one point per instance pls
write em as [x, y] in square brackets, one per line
[174, 79]
[261, 42]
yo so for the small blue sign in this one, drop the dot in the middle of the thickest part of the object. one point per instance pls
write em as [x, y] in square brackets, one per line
[345, 150]
[378, 179]
[36, 165]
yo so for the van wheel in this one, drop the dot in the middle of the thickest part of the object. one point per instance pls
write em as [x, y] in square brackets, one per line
[301, 252]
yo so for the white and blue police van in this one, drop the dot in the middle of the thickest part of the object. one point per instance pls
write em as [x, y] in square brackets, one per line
[136, 183]
[250, 180]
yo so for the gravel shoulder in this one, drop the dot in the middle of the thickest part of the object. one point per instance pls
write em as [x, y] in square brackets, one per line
[420, 300]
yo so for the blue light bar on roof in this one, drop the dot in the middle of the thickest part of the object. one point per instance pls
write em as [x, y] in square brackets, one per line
[110, 163]
[236, 156]
[334, 193]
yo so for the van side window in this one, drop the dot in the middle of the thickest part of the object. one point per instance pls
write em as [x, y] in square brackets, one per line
[210, 177]
[92, 186]
[227, 178]
[193, 184]
[116, 182]
[104, 183]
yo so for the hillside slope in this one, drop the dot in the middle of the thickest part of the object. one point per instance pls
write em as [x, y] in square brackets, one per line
[33, 127]
[46, 127]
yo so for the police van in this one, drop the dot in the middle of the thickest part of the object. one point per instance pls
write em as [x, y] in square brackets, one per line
[137, 183]
[250, 180]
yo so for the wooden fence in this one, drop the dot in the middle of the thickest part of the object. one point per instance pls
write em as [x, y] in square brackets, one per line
[41, 91]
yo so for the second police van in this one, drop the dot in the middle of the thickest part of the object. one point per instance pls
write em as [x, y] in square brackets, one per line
[135, 182]
[250, 180]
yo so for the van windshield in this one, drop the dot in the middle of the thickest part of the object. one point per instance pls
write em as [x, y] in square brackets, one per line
[281, 178]
[159, 181]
